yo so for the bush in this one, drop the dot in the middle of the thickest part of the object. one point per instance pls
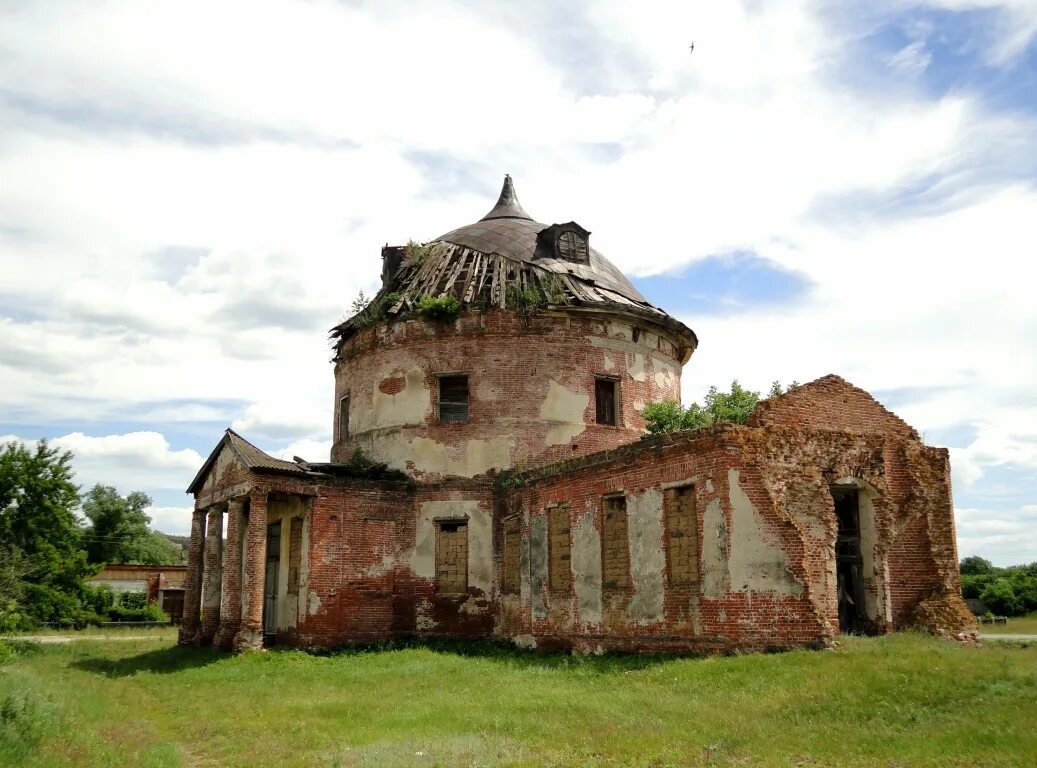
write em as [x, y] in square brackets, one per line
[13, 619]
[668, 416]
[134, 606]
[25, 719]
[733, 407]
[439, 308]
[1000, 598]
[49, 605]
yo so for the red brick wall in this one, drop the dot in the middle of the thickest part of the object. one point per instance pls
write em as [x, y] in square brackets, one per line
[786, 473]
[510, 361]
[831, 403]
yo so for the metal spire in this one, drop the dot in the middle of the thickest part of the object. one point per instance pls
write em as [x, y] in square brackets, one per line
[508, 206]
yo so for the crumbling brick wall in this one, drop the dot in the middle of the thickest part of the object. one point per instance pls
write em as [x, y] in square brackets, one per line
[763, 572]
[531, 389]
[831, 404]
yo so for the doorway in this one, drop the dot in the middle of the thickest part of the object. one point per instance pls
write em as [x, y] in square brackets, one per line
[273, 567]
[849, 562]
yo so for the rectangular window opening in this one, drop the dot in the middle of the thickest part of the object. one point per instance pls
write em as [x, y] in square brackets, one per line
[560, 549]
[452, 557]
[512, 555]
[453, 398]
[605, 400]
[682, 536]
[343, 417]
[615, 547]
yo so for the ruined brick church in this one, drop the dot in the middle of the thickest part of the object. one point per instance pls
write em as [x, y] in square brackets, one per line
[490, 477]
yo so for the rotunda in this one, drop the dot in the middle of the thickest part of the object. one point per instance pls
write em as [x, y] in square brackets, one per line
[506, 343]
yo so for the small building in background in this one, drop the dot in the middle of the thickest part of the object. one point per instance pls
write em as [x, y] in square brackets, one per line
[163, 584]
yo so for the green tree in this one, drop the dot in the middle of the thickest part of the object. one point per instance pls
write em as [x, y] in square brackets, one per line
[976, 566]
[120, 529]
[733, 407]
[1000, 597]
[38, 526]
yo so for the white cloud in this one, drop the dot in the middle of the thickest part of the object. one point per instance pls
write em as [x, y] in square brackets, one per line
[280, 162]
[129, 462]
[911, 60]
[1002, 536]
[308, 450]
[174, 520]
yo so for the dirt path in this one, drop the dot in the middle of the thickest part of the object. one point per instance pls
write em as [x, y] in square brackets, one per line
[984, 636]
[62, 639]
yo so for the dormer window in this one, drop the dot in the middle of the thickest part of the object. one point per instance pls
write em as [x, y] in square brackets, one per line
[566, 242]
[572, 246]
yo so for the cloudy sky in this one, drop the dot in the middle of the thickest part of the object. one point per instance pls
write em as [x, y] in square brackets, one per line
[191, 194]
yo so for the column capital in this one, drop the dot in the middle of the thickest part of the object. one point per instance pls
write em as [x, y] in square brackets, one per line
[236, 504]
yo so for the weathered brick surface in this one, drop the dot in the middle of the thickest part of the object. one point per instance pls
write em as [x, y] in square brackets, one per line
[716, 540]
[250, 634]
[188, 633]
[831, 403]
[525, 377]
[230, 591]
[212, 575]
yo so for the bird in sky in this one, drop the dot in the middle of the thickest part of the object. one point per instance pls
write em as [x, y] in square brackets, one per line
[691, 47]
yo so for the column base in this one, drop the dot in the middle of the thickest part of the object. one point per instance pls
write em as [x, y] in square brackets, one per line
[224, 637]
[188, 635]
[209, 627]
[248, 639]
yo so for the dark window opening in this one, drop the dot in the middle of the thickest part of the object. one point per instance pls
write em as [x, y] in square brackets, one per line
[273, 569]
[453, 398]
[849, 562]
[605, 391]
[343, 418]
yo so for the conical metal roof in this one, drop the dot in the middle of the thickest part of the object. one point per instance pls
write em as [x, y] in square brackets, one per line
[509, 231]
[508, 206]
[486, 262]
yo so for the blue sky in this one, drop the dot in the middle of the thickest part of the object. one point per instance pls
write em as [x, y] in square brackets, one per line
[819, 187]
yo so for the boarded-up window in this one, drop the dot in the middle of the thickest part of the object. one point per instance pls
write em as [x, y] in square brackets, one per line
[343, 418]
[605, 401]
[294, 555]
[512, 549]
[453, 398]
[615, 551]
[561, 572]
[452, 556]
[682, 530]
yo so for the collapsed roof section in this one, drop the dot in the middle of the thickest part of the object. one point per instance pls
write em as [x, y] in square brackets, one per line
[507, 260]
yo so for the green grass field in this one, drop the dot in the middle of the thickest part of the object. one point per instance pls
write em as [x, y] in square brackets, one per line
[899, 701]
[1023, 625]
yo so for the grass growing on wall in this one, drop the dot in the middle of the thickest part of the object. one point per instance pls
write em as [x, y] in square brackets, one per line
[905, 700]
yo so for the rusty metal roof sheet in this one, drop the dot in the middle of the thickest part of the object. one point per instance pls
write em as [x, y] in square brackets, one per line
[250, 456]
[509, 231]
[494, 262]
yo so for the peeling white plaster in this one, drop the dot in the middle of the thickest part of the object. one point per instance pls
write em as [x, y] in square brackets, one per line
[563, 411]
[422, 558]
[757, 562]
[647, 559]
[472, 457]
[586, 564]
[714, 548]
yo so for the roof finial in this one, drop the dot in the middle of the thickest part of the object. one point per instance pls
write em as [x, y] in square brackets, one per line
[508, 206]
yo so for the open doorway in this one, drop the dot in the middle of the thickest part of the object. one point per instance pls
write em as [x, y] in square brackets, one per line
[273, 567]
[849, 561]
